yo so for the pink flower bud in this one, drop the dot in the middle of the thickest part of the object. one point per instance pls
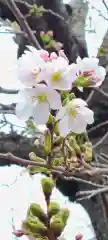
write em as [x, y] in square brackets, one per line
[18, 233]
[50, 33]
[44, 55]
[53, 55]
[42, 33]
[79, 236]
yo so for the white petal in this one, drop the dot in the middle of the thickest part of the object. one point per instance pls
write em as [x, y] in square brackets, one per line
[87, 64]
[54, 99]
[63, 85]
[24, 110]
[25, 94]
[63, 126]
[77, 124]
[88, 114]
[79, 102]
[100, 72]
[60, 113]
[41, 113]
[70, 73]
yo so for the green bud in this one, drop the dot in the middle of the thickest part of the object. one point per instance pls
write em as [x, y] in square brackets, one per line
[66, 101]
[58, 161]
[71, 96]
[51, 119]
[88, 154]
[64, 214]
[56, 129]
[35, 158]
[83, 81]
[36, 210]
[34, 226]
[30, 123]
[74, 144]
[47, 142]
[53, 208]
[57, 225]
[47, 186]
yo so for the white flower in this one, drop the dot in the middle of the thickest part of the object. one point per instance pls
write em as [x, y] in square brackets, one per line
[37, 102]
[90, 74]
[74, 117]
[59, 74]
[30, 65]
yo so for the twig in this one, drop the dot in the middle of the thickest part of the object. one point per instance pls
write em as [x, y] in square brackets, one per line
[98, 126]
[101, 92]
[92, 193]
[105, 5]
[90, 96]
[60, 170]
[43, 10]
[23, 23]
[8, 91]
[100, 141]
[83, 181]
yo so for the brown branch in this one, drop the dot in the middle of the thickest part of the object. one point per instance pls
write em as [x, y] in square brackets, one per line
[23, 23]
[43, 10]
[88, 171]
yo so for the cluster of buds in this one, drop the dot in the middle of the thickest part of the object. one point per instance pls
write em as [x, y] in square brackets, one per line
[39, 224]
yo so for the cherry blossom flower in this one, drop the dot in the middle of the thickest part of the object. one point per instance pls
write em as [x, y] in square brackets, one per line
[30, 65]
[90, 74]
[74, 117]
[37, 102]
[59, 74]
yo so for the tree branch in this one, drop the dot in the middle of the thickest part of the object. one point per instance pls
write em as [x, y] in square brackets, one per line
[23, 23]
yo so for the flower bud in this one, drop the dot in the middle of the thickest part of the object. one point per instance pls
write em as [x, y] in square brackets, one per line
[47, 142]
[88, 154]
[79, 236]
[57, 225]
[34, 226]
[58, 161]
[71, 96]
[83, 81]
[18, 233]
[51, 119]
[53, 208]
[36, 210]
[50, 33]
[56, 129]
[74, 144]
[47, 186]
[35, 158]
[64, 214]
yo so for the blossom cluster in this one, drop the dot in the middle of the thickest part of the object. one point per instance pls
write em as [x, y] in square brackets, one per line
[45, 77]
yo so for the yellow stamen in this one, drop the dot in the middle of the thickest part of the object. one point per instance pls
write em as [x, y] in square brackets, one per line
[56, 76]
[42, 98]
[71, 109]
